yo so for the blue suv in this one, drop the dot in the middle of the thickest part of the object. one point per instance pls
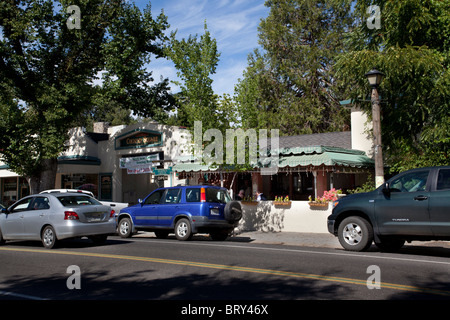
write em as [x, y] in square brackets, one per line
[183, 210]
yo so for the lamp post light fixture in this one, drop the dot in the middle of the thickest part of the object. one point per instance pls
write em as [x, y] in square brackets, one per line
[374, 76]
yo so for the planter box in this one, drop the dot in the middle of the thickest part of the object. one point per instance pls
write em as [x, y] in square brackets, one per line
[282, 203]
[250, 203]
[318, 206]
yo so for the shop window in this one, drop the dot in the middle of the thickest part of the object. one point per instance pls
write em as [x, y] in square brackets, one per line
[106, 187]
[81, 181]
[9, 192]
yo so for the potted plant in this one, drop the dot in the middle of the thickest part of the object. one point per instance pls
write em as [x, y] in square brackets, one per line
[249, 201]
[282, 201]
[322, 202]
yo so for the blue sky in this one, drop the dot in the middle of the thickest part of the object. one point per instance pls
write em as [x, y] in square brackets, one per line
[233, 23]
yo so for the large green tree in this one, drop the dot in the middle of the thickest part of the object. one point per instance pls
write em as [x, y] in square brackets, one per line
[412, 47]
[290, 83]
[50, 58]
[196, 59]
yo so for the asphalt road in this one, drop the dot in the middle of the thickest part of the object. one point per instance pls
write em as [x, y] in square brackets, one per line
[146, 268]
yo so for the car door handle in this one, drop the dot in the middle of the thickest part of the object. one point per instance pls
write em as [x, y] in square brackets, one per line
[41, 215]
[421, 198]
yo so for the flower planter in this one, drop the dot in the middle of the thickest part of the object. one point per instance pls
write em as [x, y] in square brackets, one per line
[318, 206]
[251, 203]
[282, 203]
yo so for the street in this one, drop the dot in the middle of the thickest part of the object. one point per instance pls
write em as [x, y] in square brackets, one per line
[146, 268]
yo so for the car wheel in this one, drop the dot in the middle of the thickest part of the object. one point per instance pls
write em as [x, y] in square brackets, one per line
[233, 211]
[125, 228]
[390, 244]
[183, 230]
[355, 234]
[48, 237]
[99, 239]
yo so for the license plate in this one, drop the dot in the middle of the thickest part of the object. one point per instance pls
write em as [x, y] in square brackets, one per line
[94, 217]
[214, 211]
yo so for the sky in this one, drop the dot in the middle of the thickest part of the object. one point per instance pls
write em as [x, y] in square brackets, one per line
[233, 23]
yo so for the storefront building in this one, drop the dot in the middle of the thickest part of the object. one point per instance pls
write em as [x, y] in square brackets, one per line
[126, 163]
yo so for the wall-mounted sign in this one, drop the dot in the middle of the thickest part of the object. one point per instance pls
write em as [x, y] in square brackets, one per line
[162, 172]
[138, 165]
[141, 139]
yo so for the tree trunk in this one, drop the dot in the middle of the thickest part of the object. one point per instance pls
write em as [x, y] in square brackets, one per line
[45, 179]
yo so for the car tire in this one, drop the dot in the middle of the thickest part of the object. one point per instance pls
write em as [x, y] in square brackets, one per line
[48, 237]
[183, 230]
[355, 234]
[233, 211]
[125, 228]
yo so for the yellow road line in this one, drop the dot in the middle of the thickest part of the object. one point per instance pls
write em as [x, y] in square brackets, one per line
[237, 268]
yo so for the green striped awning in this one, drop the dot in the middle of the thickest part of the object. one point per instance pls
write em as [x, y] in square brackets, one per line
[327, 159]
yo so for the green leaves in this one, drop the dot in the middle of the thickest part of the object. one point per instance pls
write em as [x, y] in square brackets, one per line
[412, 51]
[291, 84]
[47, 71]
[196, 59]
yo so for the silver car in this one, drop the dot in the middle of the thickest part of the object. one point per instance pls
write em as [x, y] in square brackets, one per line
[56, 216]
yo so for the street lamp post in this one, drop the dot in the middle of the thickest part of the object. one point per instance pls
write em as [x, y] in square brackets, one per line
[374, 76]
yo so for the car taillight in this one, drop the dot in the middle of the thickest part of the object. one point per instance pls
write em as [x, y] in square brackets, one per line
[112, 213]
[70, 215]
[202, 195]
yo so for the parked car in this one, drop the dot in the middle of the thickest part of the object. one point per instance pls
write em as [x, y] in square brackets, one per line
[55, 216]
[116, 206]
[413, 205]
[183, 210]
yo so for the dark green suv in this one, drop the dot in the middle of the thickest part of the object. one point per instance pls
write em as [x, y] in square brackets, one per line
[413, 205]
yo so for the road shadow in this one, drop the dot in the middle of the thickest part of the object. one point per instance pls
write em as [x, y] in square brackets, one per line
[76, 243]
[196, 238]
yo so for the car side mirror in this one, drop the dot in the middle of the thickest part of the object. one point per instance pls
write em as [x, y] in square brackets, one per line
[386, 189]
[4, 210]
[140, 201]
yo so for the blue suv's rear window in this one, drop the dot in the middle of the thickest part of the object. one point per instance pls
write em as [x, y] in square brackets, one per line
[217, 195]
[212, 195]
[193, 195]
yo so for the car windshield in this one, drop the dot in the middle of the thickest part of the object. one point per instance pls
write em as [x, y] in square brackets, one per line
[72, 200]
[217, 195]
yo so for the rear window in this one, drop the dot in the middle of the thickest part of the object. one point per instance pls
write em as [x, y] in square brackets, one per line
[217, 195]
[212, 195]
[70, 201]
[443, 182]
